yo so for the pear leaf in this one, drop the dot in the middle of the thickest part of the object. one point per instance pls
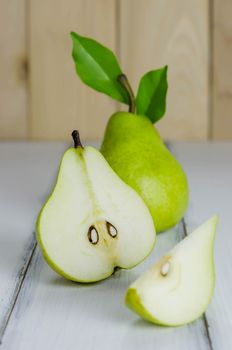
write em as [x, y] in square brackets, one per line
[98, 67]
[151, 96]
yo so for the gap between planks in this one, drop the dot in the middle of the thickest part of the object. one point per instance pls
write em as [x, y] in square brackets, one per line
[182, 233]
[20, 279]
[30, 251]
[185, 234]
[204, 317]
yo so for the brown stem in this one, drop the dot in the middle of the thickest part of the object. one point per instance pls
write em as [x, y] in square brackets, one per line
[122, 78]
[76, 139]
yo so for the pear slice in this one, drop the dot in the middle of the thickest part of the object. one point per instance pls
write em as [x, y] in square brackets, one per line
[178, 288]
[92, 222]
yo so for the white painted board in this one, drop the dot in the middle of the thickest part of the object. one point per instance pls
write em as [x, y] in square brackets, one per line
[26, 174]
[51, 312]
[209, 170]
[54, 313]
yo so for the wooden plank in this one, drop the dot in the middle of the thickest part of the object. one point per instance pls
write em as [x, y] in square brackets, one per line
[209, 170]
[222, 69]
[27, 171]
[14, 282]
[158, 32]
[13, 82]
[54, 313]
[60, 102]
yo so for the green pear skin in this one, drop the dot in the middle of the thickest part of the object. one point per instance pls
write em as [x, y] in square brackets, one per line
[134, 149]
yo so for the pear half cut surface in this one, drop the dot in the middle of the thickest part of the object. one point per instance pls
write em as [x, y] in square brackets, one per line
[93, 222]
[178, 288]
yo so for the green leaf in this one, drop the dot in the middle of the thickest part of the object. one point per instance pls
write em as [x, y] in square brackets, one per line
[151, 96]
[97, 67]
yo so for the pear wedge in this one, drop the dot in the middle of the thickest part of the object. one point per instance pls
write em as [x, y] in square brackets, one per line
[92, 222]
[178, 288]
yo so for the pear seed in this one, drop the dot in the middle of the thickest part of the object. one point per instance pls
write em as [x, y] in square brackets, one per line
[111, 229]
[165, 268]
[93, 235]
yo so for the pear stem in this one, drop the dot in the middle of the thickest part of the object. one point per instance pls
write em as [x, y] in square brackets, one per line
[122, 79]
[76, 139]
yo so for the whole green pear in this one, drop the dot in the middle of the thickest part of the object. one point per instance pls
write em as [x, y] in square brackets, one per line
[134, 149]
[132, 146]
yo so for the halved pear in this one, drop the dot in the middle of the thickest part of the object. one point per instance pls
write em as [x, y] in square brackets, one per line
[178, 288]
[92, 222]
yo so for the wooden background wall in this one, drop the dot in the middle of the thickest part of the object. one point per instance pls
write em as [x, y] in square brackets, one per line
[41, 98]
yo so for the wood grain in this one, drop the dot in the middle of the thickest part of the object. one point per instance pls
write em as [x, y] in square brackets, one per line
[209, 170]
[13, 59]
[193, 37]
[222, 69]
[60, 102]
[51, 312]
[156, 32]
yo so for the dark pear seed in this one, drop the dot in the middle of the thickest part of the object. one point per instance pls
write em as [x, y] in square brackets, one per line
[93, 235]
[111, 229]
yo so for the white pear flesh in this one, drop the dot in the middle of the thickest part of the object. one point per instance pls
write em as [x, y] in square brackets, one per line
[178, 288]
[93, 222]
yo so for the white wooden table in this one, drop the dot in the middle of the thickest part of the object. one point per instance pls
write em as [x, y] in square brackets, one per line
[40, 310]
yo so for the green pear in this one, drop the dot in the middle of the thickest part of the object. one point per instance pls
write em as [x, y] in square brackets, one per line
[131, 145]
[92, 222]
[179, 287]
[133, 148]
